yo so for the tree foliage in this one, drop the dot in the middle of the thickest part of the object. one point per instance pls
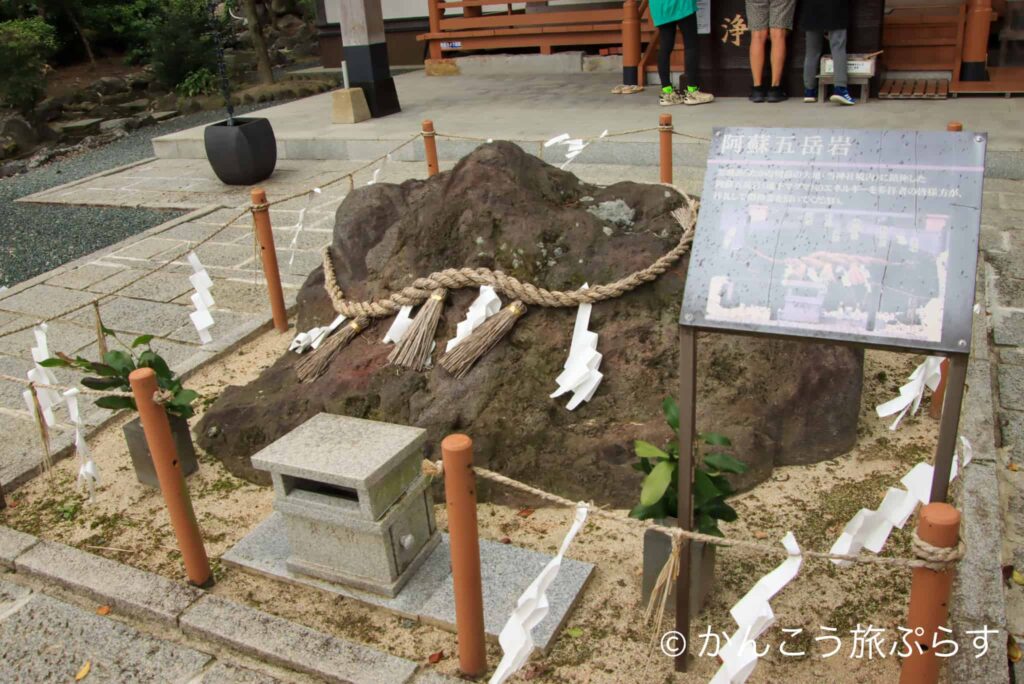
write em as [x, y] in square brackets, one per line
[25, 47]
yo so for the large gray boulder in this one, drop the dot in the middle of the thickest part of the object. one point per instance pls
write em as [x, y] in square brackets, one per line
[500, 208]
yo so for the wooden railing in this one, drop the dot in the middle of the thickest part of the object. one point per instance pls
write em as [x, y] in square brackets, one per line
[537, 26]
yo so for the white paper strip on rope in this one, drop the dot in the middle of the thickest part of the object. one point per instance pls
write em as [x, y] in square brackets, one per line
[403, 319]
[483, 307]
[580, 375]
[574, 146]
[48, 398]
[88, 472]
[753, 615]
[300, 222]
[202, 300]
[870, 529]
[927, 375]
[377, 171]
[516, 636]
[314, 337]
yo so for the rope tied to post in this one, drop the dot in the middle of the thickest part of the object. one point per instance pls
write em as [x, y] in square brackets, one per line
[262, 206]
[928, 556]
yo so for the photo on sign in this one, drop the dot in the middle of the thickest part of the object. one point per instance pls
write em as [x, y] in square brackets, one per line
[854, 271]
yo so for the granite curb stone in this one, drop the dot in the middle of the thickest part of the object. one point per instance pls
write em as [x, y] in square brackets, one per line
[279, 641]
[14, 544]
[127, 589]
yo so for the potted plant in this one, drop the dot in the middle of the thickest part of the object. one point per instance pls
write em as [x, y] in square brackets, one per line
[112, 374]
[659, 500]
[241, 150]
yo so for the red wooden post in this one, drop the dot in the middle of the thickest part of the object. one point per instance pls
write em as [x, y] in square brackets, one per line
[172, 482]
[434, 20]
[939, 525]
[464, 542]
[268, 254]
[665, 147]
[430, 147]
[630, 42]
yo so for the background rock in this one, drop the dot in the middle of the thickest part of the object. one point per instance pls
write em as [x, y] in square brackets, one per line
[780, 402]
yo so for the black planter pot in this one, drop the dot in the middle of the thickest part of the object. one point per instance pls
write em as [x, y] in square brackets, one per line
[243, 154]
[145, 471]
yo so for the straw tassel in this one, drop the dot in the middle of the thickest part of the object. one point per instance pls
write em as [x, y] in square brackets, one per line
[44, 433]
[314, 365]
[460, 359]
[101, 337]
[414, 349]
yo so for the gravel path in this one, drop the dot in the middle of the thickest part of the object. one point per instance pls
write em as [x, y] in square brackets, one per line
[36, 238]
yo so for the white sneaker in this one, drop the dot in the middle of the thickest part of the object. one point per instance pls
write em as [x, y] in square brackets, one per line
[670, 98]
[697, 97]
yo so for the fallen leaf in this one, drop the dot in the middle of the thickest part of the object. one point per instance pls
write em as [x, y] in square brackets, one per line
[103, 610]
[83, 672]
[1018, 577]
[505, 540]
[1014, 467]
[525, 512]
[575, 632]
[1013, 650]
[435, 658]
[760, 535]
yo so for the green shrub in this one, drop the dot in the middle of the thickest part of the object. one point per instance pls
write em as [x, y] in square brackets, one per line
[125, 26]
[199, 82]
[25, 45]
[181, 42]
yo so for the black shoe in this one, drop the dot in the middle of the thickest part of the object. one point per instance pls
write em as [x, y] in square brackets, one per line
[776, 94]
[757, 94]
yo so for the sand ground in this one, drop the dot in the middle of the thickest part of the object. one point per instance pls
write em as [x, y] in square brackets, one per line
[605, 639]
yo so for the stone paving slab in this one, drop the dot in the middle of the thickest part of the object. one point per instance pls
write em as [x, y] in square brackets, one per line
[228, 673]
[46, 640]
[13, 544]
[279, 641]
[127, 589]
[507, 571]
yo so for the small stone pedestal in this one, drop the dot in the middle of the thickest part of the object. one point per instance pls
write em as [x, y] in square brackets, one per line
[348, 105]
[356, 508]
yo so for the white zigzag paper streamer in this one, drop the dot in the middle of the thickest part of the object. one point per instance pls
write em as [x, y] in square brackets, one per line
[88, 471]
[299, 223]
[403, 319]
[376, 171]
[753, 615]
[870, 529]
[574, 146]
[201, 318]
[314, 337]
[580, 375]
[483, 307]
[48, 398]
[516, 637]
[927, 375]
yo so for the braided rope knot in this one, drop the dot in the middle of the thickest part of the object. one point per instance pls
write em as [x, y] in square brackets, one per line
[937, 558]
[528, 293]
[263, 206]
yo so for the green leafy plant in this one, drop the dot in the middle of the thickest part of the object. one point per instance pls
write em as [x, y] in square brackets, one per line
[25, 46]
[181, 42]
[112, 374]
[199, 82]
[659, 496]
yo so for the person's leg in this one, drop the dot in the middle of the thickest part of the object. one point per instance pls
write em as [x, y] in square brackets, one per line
[837, 42]
[778, 37]
[757, 22]
[812, 57]
[758, 42]
[691, 44]
[666, 41]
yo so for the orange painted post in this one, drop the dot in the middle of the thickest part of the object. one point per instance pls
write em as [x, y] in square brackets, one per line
[172, 482]
[974, 59]
[935, 409]
[430, 146]
[665, 146]
[464, 541]
[939, 525]
[630, 42]
[268, 254]
[434, 20]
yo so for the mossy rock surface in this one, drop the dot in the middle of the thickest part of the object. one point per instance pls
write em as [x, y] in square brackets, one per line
[500, 208]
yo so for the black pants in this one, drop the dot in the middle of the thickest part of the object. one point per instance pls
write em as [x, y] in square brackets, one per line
[667, 39]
